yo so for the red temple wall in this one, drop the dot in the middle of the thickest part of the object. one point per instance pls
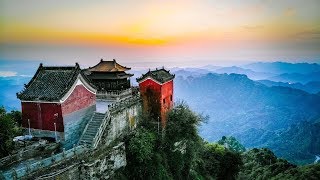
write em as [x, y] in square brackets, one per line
[143, 86]
[42, 115]
[80, 98]
[149, 84]
[166, 94]
[166, 99]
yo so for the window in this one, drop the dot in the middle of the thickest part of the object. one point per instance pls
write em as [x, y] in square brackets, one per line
[164, 101]
[171, 98]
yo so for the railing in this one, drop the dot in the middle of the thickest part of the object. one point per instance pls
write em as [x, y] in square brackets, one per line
[118, 106]
[27, 168]
[114, 94]
[54, 174]
[101, 129]
[27, 153]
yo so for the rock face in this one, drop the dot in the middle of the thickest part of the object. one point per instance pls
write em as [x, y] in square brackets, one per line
[101, 167]
[104, 168]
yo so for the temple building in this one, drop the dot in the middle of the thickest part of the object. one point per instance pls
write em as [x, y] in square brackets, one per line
[111, 80]
[156, 89]
[57, 103]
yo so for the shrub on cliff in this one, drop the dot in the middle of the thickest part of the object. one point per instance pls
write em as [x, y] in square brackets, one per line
[8, 130]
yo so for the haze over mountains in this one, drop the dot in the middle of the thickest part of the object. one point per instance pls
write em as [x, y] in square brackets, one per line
[275, 105]
[283, 116]
[303, 76]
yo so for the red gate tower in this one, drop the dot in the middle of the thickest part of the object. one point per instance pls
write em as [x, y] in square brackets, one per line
[156, 89]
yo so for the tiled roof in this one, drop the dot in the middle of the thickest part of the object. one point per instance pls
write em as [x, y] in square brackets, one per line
[105, 76]
[160, 75]
[108, 66]
[50, 83]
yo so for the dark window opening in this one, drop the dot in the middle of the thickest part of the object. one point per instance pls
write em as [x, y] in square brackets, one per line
[164, 101]
[170, 97]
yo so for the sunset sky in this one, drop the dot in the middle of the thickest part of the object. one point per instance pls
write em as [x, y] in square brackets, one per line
[166, 31]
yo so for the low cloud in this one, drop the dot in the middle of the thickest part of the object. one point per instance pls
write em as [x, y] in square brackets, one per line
[289, 12]
[253, 27]
[314, 33]
[7, 73]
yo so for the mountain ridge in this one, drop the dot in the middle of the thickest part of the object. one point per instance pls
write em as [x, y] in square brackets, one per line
[248, 110]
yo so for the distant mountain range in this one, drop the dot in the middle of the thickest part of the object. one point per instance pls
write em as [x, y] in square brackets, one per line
[312, 87]
[277, 71]
[250, 73]
[296, 77]
[250, 111]
[283, 67]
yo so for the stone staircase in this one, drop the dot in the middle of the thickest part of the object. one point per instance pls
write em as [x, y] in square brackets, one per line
[91, 130]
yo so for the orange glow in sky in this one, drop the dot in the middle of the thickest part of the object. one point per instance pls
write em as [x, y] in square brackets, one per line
[170, 29]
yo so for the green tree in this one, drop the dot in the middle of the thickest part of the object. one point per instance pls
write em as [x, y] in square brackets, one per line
[232, 144]
[219, 162]
[145, 158]
[8, 130]
[181, 140]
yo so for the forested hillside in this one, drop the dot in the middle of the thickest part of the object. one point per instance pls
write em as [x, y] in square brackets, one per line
[178, 152]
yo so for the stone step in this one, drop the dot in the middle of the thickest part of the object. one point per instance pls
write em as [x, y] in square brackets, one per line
[94, 125]
[90, 135]
[98, 116]
[90, 132]
[94, 129]
[95, 122]
[89, 139]
[85, 142]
